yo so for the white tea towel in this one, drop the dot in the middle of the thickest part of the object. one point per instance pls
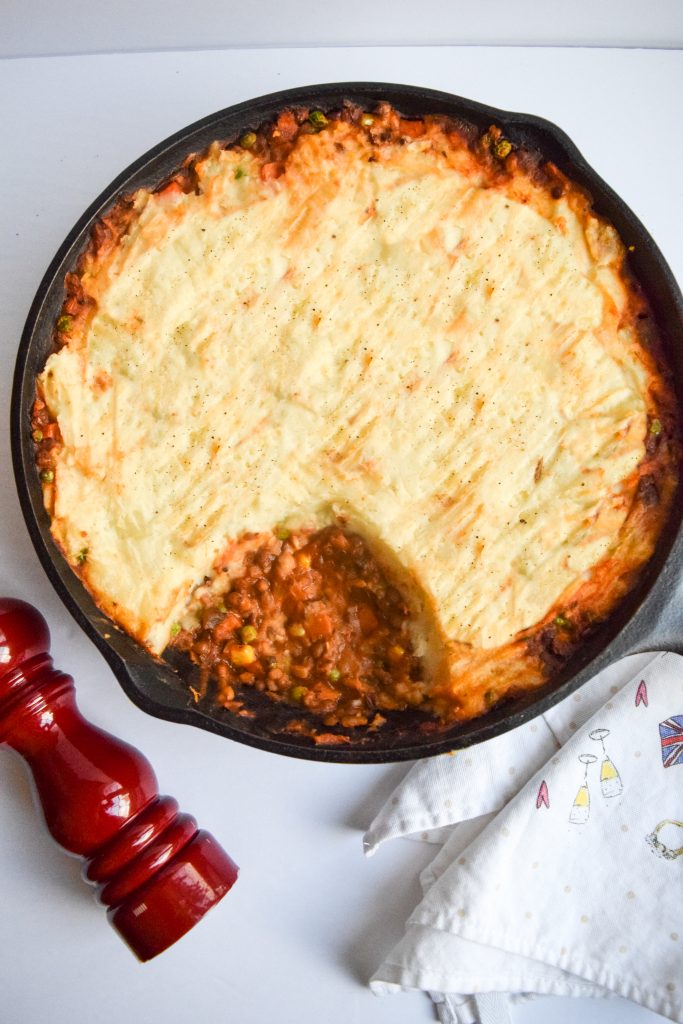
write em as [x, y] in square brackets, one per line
[562, 870]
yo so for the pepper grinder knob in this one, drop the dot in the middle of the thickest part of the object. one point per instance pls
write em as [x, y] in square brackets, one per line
[155, 871]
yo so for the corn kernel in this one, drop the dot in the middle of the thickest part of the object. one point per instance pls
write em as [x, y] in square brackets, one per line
[303, 560]
[395, 653]
[244, 655]
[296, 629]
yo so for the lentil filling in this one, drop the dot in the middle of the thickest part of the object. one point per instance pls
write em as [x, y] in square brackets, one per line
[314, 621]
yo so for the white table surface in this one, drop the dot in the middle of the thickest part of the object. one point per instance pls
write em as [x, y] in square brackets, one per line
[309, 919]
[33, 28]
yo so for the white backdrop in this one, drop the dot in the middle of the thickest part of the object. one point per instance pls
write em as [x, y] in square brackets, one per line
[37, 27]
[309, 919]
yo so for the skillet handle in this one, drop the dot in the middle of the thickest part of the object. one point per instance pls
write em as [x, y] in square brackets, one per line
[658, 623]
[155, 871]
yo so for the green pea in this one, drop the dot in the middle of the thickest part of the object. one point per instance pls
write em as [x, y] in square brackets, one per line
[317, 119]
[334, 675]
[47, 476]
[248, 140]
[298, 693]
[248, 633]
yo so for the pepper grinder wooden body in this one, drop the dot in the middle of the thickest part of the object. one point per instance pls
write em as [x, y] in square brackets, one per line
[155, 871]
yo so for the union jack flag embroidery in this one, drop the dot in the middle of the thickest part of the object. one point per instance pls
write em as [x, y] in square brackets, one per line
[671, 738]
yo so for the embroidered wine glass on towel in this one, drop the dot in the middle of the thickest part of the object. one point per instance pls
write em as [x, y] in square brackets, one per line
[581, 808]
[610, 780]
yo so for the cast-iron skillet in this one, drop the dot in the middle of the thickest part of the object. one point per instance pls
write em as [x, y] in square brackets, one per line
[648, 619]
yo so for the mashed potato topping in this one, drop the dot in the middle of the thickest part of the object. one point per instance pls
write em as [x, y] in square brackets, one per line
[401, 336]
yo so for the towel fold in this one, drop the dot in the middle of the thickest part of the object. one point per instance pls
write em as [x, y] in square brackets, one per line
[560, 869]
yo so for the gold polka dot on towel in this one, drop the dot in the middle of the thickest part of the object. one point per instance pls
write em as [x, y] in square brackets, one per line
[624, 828]
[535, 864]
[567, 888]
[505, 830]
[528, 915]
[512, 770]
[614, 689]
[637, 753]
[468, 762]
[671, 987]
[462, 860]
[462, 912]
[674, 936]
[585, 919]
[448, 803]
[622, 949]
[630, 895]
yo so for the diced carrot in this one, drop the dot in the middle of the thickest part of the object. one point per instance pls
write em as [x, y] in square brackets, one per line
[306, 587]
[319, 625]
[172, 189]
[330, 739]
[412, 128]
[287, 125]
[271, 171]
[367, 620]
[324, 692]
[226, 626]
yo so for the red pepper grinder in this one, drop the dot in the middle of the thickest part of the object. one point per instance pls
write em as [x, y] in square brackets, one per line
[155, 871]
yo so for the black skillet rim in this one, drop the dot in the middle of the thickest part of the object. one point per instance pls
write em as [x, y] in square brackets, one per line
[628, 630]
